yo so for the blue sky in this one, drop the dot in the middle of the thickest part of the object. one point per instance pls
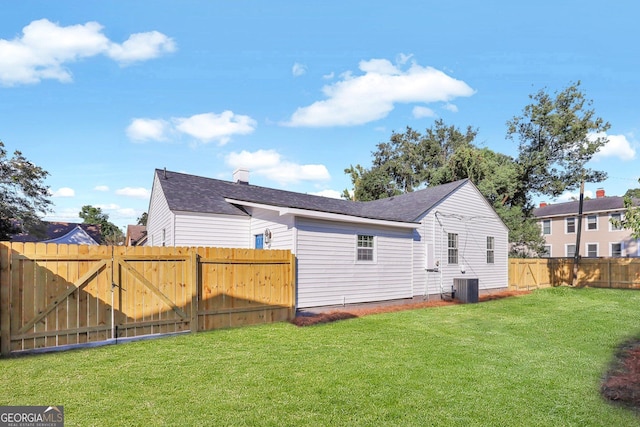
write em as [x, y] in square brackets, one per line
[100, 94]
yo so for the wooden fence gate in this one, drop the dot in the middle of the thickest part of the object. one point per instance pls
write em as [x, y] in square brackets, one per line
[57, 295]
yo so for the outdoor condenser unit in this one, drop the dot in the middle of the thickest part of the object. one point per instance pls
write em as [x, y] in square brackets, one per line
[466, 290]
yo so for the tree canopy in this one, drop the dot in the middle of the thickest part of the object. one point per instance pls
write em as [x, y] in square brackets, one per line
[556, 137]
[23, 195]
[110, 233]
[631, 218]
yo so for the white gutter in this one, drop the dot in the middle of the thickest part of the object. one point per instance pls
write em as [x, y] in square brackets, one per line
[327, 216]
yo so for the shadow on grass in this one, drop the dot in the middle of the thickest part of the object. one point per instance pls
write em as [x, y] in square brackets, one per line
[309, 319]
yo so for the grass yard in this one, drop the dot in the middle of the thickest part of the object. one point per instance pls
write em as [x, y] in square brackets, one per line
[534, 360]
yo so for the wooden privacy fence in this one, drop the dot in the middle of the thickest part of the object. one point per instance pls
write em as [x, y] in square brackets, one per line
[56, 295]
[621, 273]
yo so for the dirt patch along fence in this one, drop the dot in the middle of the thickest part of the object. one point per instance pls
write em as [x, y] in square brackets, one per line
[620, 273]
[56, 295]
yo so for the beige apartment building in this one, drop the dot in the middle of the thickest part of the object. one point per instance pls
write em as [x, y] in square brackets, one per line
[599, 238]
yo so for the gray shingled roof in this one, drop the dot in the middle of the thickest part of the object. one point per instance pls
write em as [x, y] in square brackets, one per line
[190, 193]
[602, 204]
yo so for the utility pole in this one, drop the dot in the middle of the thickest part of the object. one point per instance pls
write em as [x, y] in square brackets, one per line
[576, 255]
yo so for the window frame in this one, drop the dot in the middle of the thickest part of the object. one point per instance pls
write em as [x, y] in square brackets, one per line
[567, 253]
[365, 244]
[546, 222]
[452, 250]
[587, 245]
[611, 252]
[619, 216]
[570, 221]
[491, 250]
[594, 222]
[546, 251]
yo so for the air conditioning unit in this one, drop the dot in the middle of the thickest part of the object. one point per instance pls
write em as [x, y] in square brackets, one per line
[466, 290]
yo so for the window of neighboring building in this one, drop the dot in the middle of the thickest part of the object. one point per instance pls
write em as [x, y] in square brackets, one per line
[616, 250]
[592, 222]
[490, 249]
[617, 217]
[592, 250]
[164, 237]
[571, 250]
[259, 241]
[365, 247]
[546, 251]
[571, 225]
[453, 248]
[546, 226]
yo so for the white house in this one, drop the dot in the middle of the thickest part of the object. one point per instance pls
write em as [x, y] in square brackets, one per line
[406, 246]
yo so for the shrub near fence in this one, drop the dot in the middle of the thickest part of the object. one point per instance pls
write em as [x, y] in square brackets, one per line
[621, 273]
[55, 295]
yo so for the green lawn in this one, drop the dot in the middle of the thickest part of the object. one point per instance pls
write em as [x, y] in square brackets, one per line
[535, 360]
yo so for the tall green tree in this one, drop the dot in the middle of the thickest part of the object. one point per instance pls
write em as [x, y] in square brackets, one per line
[631, 219]
[110, 233]
[557, 136]
[142, 219]
[23, 195]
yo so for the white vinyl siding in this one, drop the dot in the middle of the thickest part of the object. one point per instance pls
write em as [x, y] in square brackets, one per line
[328, 270]
[159, 218]
[467, 214]
[223, 231]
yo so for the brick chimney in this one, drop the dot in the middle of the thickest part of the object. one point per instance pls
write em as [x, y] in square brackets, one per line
[241, 176]
[599, 193]
[543, 204]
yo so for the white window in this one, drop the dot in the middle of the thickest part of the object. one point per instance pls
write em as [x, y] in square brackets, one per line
[616, 250]
[490, 249]
[546, 251]
[617, 217]
[546, 226]
[592, 222]
[365, 247]
[571, 225]
[570, 250]
[592, 250]
[453, 248]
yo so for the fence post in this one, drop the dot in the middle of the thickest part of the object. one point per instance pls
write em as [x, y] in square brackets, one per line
[5, 299]
[195, 288]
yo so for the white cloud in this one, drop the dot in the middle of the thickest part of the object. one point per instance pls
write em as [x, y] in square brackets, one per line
[148, 129]
[298, 69]
[209, 127]
[101, 188]
[356, 100]
[45, 48]
[420, 112]
[618, 146]
[329, 76]
[141, 47]
[137, 192]
[64, 192]
[269, 163]
[450, 107]
[333, 194]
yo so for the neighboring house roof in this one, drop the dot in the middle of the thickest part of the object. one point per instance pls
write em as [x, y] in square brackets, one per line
[136, 234]
[77, 236]
[56, 230]
[190, 193]
[600, 204]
